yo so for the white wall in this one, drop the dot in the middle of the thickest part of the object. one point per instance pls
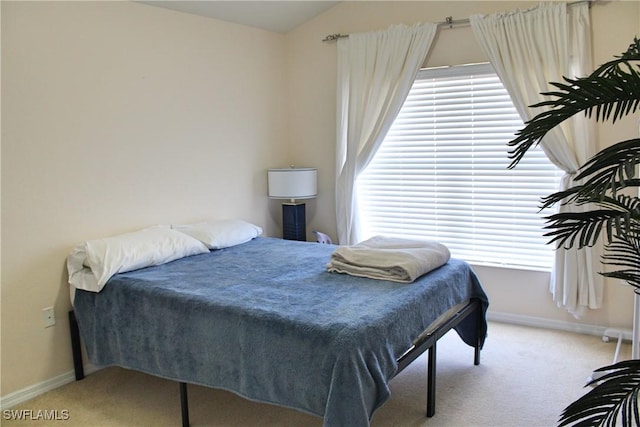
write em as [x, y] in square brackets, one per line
[312, 82]
[117, 116]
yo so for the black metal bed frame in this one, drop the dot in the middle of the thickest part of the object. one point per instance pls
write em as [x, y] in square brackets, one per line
[426, 343]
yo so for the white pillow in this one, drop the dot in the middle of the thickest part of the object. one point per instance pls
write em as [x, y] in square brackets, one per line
[221, 233]
[91, 264]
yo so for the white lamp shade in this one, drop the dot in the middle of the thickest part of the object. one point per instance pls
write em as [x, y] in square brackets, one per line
[293, 183]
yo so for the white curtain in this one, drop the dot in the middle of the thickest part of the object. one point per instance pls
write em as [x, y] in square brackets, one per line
[528, 49]
[375, 73]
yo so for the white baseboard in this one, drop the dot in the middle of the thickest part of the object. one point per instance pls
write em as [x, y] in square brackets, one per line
[30, 392]
[539, 322]
[35, 390]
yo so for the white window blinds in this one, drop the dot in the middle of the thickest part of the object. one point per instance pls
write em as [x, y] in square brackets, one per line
[441, 173]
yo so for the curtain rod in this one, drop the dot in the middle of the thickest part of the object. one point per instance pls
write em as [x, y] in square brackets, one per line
[448, 22]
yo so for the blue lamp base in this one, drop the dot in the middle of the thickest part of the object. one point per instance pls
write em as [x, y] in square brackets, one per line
[294, 222]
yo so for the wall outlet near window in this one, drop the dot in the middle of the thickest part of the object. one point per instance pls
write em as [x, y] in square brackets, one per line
[48, 317]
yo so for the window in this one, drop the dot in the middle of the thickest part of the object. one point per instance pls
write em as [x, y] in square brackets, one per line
[441, 173]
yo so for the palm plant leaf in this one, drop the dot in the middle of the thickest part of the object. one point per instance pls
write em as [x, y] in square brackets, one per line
[618, 216]
[624, 253]
[589, 192]
[612, 91]
[624, 225]
[614, 397]
[611, 169]
[581, 194]
[630, 276]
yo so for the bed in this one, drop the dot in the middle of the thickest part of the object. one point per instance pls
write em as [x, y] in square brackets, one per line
[267, 321]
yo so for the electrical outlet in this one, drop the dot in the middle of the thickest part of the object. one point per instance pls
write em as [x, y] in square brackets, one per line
[48, 317]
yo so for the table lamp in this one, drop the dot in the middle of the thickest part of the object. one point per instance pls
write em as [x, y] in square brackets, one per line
[293, 183]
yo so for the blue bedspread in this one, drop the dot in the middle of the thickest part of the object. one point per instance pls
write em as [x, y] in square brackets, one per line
[267, 321]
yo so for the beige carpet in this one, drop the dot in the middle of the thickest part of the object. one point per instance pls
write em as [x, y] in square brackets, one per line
[527, 376]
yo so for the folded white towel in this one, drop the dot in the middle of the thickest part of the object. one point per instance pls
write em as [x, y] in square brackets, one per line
[389, 258]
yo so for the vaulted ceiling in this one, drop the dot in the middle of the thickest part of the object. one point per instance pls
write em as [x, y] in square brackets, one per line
[276, 16]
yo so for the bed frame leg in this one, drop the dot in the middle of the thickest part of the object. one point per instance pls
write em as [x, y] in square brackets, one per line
[184, 404]
[431, 381]
[76, 349]
[480, 321]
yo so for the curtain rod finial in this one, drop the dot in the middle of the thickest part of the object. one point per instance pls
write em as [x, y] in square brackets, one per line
[449, 20]
[333, 37]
